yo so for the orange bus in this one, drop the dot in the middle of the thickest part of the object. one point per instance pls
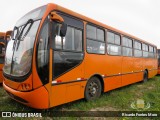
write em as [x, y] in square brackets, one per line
[8, 36]
[4, 38]
[57, 56]
[2, 53]
[158, 61]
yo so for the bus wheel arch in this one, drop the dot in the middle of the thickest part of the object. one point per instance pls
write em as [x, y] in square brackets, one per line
[94, 87]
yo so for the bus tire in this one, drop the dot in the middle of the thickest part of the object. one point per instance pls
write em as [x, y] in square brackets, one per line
[93, 89]
[145, 76]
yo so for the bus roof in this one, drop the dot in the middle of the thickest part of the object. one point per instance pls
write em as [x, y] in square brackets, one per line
[65, 10]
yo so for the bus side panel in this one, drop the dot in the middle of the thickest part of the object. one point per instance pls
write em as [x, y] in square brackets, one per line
[111, 83]
[75, 91]
[58, 95]
[65, 93]
[95, 64]
[70, 88]
[151, 66]
[129, 79]
[154, 67]
[128, 75]
[109, 66]
[152, 73]
[114, 66]
[138, 69]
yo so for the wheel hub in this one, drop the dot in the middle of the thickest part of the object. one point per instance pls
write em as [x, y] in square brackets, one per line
[93, 88]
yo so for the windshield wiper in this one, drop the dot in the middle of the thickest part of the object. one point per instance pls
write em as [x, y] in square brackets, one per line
[20, 37]
[14, 37]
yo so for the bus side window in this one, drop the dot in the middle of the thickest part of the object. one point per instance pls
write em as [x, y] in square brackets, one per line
[68, 49]
[43, 54]
[114, 43]
[151, 52]
[73, 39]
[127, 46]
[145, 50]
[95, 40]
[137, 49]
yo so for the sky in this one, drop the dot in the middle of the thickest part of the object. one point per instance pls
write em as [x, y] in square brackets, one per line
[140, 18]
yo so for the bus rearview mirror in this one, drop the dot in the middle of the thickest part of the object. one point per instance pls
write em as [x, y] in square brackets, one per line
[63, 30]
[55, 17]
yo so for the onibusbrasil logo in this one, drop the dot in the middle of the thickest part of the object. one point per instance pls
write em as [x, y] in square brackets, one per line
[140, 104]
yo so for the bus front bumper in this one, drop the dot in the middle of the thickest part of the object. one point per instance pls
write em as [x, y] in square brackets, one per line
[37, 98]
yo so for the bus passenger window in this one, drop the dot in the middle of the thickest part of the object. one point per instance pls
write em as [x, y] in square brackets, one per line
[95, 40]
[114, 49]
[151, 52]
[91, 32]
[110, 37]
[127, 44]
[155, 52]
[145, 50]
[114, 44]
[137, 49]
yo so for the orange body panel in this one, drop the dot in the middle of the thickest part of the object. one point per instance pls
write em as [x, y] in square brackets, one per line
[158, 62]
[115, 71]
[4, 36]
[18, 85]
[158, 70]
[36, 99]
[64, 91]
[1, 73]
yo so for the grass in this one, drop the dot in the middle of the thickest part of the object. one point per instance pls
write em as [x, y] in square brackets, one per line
[115, 100]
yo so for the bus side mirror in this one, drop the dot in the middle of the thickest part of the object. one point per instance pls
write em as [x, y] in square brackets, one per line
[55, 17]
[63, 30]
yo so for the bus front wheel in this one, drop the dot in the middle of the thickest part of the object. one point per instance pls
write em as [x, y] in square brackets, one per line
[93, 89]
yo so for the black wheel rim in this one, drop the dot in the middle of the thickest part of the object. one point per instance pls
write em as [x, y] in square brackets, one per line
[93, 89]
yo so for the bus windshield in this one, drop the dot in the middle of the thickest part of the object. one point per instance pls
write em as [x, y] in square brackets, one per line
[20, 48]
[19, 52]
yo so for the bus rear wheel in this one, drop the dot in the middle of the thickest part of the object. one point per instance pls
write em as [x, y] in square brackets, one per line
[93, 89]
[145, 76]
